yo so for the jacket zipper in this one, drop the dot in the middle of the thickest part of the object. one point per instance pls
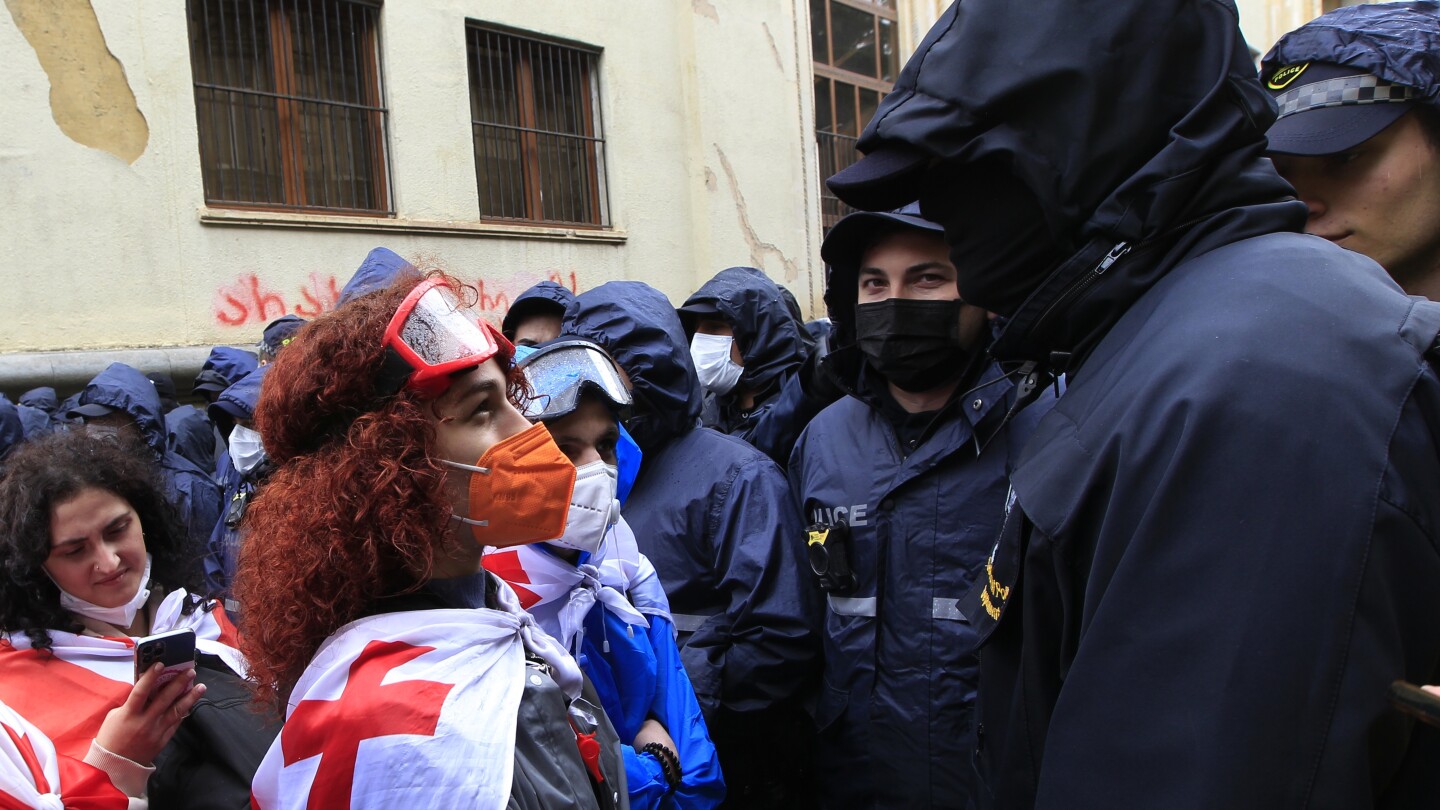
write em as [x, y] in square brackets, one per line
[1115, 254]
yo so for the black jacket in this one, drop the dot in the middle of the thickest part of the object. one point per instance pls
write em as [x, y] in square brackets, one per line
[1221, 543]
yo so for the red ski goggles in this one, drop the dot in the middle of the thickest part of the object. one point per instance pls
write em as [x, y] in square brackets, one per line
[431, 337]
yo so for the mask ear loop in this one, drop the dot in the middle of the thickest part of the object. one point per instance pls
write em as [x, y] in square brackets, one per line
[472, 468]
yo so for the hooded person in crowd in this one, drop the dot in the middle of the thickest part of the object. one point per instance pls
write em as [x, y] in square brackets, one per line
[1358, 133]
[594, 592]
[896, 548]
[165, 389]
[715, 517]
[190, 433]
[409, 676]
[535, 315]
[749, 351]
[38, 408]
[121, 399]
[244, 466]
[43, 398]
[12, 430]
[223, 368]
[1220, 547]
[377, 270]
[277, 335]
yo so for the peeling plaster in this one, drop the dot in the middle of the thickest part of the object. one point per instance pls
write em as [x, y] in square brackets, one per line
[774, 49]
[90, 98]
[758, 248]
[705, 8]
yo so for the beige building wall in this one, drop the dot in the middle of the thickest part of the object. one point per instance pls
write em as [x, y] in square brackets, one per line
[710, 162]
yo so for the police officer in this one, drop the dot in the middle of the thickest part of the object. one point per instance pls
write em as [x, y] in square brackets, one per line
[903, 482]
[1359, 133]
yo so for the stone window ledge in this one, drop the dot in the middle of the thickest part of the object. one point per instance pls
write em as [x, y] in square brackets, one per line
[286, 219]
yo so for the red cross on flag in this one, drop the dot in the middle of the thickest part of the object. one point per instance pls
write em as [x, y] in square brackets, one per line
[402, 710]
[33, 775]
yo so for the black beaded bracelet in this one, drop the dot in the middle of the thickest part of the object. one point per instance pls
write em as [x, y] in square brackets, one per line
[669, 762]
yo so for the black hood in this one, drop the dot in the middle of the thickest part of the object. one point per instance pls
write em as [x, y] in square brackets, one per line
[1139, 122]
[769, 335]
[638, 326]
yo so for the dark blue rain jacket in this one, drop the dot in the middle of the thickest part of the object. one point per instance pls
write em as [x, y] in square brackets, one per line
[773, 345]
[12, 432]
[1223, 542]
[188, 431]
[237, 488]
[230, 362]
[379, 269]
[43, 398]
[712, 513]
[896, 711]
[546, 295]
[191, 490]
[37, 410]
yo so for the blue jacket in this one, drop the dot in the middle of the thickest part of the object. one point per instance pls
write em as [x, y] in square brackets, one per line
[188, 432]
[379, 269]
[12, 432]
[37, 410]
[230, 363]
[711, 512]
[895, 712]
[545, 295]
[637, 673]
[773, 344]
[195, 496]
[1221, 546]
[237, 488]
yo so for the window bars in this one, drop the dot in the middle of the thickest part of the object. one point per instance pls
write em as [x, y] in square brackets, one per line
[535, 114]
[289, 106]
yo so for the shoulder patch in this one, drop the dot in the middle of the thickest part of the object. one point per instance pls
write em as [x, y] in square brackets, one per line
[1282, 78]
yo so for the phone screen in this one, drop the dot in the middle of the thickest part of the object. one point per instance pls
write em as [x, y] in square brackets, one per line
[175, 649]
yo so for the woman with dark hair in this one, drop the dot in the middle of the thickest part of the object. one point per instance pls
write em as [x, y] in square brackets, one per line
[91, 558]
[400, 455]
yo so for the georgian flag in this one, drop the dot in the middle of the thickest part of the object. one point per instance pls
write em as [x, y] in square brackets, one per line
[560, 594]
[67, 695]
[32, 775]
[409, 710]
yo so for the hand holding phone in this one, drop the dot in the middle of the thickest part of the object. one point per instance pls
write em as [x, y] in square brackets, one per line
[1414, 701]
[175, 649]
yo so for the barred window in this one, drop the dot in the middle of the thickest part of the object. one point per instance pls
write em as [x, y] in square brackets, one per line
[535, 113]
[857, 57]
[289, 106]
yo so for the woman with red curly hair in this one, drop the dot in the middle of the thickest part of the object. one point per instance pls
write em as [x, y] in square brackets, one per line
[409, 676]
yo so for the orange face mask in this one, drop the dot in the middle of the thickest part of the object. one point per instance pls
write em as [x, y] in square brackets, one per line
[519, 490]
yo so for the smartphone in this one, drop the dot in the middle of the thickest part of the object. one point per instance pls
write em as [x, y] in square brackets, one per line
[175, 649]
[1412, 700]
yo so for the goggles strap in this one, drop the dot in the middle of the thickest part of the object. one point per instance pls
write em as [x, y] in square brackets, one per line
[394, 372]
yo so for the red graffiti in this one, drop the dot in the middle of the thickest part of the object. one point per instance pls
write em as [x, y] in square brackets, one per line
[249, 300]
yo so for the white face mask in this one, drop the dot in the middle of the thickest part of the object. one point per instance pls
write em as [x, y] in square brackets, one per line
[246, 451]
[593, 508]
[122, 616]
[711, 353]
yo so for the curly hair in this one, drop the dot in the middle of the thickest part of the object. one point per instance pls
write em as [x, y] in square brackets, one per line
[356, 510]
[50, 470]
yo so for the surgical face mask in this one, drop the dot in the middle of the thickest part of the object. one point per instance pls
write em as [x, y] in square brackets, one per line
[246, 451]
[914, 344]
[711, 353]
[593, 508]
[520, 490]
[105, 433]
[122, 616]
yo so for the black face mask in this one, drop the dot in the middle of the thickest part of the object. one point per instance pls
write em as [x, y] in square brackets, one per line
[999, 241]
[913, 344]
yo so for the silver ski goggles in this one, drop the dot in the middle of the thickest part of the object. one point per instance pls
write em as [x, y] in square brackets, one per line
[560, 372]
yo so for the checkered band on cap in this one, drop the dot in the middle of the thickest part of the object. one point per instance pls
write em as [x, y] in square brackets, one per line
[1345, 91]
